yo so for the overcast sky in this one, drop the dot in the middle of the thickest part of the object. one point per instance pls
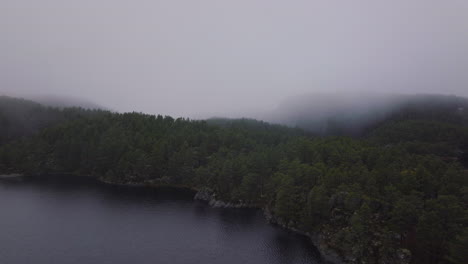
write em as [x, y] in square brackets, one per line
[200, 58]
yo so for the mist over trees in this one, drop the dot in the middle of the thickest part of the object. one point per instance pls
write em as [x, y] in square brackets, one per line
[392, 188]
[353, 114]
[20, 117]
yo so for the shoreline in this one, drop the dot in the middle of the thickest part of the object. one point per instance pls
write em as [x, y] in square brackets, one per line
[327, 254]
[207, 195]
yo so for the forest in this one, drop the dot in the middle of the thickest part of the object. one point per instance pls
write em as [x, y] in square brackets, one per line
[400, 186]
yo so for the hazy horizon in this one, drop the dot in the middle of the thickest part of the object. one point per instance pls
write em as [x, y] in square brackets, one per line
[207, 58]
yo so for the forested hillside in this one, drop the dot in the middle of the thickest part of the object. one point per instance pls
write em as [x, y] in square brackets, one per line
[356, 114]
[400, 190]
[19, 117]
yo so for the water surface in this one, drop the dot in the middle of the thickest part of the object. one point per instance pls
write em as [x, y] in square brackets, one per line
[82, 221]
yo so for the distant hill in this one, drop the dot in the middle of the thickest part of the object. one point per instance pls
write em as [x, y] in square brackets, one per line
[62, 102]
[332, 114]
[252, 124]
[20, 117]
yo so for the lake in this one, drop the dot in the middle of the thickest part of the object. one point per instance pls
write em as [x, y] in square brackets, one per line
[83, 221]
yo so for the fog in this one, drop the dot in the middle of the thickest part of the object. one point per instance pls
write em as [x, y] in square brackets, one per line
[229, 58]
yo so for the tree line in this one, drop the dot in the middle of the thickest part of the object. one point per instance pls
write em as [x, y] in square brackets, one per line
[401, 186]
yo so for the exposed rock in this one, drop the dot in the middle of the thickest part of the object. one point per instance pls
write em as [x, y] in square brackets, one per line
[404, 256]
[204, 195]
[401, 256]
[327, 254]
[209, 196]
[321, 238]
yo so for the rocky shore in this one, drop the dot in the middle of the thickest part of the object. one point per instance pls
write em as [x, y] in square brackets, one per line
[319, 239]
[210, 197]
[327, 254]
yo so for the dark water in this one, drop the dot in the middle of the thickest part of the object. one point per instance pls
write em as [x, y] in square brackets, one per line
[85, 222]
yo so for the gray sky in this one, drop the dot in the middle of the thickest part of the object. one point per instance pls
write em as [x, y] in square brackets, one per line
[200, 58]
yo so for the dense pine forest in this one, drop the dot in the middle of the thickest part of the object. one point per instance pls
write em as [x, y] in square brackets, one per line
[396, 190]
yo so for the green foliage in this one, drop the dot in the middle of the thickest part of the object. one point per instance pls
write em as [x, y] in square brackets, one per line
[457, 249]
[318, 208]
[403, 186]
[440, 223]
[21, 118]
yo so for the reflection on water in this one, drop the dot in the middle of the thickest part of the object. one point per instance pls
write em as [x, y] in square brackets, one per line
[82, 221]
